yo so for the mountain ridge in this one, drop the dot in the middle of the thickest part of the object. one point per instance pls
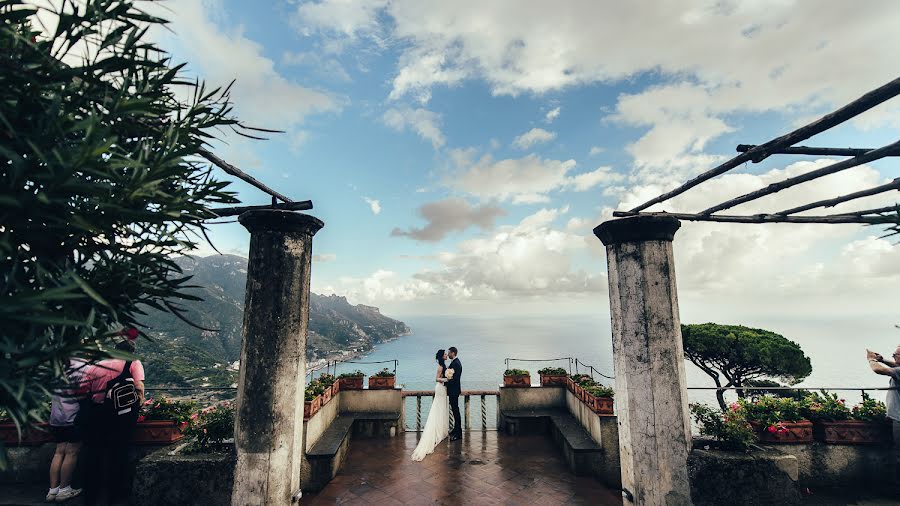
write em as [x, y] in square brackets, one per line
[178, 354]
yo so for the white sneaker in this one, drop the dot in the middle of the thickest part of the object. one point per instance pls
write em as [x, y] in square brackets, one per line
[51, 495]
[65, 495]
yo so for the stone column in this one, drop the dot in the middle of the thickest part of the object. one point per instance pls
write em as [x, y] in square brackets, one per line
[651, 394]
[268, 424]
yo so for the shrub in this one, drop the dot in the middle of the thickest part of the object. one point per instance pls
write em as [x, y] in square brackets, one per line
[578, 378]
[516, 372]
[164, 408]
[729, 428]
[869, 410]
[601, 391]
[354, 374]
[326, 380]
[212, 427]
[826, 407]
[385, 373]
[769, 411]
[553, 371]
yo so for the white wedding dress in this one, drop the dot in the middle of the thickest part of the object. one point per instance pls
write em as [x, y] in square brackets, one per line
[437, 427]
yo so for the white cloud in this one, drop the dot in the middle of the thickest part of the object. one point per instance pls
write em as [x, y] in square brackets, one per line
[450, 215]
[424, 122]
[551, 115]
[521, 180]
[374, 205]
[329, 69]
[325, 257]
[532, 137]
[262, 96]
[596, 150]
[529, 259]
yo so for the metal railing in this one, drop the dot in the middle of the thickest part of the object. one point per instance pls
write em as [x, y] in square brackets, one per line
[330, 367]
[861, 390]
[573, 362]
[466, 409]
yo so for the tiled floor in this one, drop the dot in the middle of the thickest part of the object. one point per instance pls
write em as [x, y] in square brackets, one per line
[484, 468]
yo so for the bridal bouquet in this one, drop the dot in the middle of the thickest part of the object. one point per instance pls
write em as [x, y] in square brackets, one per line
[449, 373]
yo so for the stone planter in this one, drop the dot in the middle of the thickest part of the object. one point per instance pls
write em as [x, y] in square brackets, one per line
[156, 432]
[853, 432]
[520, 381]
[797, 432]
[382, 382]
[354, 383]
[554, 380]
[9, 435]
[310, 408]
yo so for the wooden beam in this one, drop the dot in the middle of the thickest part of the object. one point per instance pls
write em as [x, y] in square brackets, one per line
[238, 173]
[893, 185]
[833, 219]
[290, 206]
[875, 154]
[809, 150]
[762, 151]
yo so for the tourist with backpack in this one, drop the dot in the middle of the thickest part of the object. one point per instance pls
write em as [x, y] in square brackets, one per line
[117, 393]
[67, 429]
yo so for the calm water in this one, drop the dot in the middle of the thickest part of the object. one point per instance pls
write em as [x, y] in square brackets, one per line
[836, 348]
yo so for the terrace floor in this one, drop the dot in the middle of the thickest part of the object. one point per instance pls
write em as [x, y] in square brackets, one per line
[483, 468]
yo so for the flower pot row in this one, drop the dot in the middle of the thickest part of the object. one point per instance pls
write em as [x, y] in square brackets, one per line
[328, 388]
[841, 432]
[581, 388]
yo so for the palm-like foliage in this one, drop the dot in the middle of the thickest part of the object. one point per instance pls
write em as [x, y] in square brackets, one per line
[100, 185]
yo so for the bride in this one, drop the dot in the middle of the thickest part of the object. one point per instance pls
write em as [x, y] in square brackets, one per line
[438, 424]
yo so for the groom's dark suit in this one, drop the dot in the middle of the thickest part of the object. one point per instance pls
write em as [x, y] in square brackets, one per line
[453, 390]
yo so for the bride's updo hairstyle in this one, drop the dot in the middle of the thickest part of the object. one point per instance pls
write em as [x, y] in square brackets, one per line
[439, 356]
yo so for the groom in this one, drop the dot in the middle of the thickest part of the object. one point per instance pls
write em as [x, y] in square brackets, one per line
[453, 391]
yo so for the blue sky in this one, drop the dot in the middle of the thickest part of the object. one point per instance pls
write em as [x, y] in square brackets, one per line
[516, 127]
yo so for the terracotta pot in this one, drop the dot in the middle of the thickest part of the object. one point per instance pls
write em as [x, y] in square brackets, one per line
[382, 382]
[30, 436]
[326, 396]
[520, 381]
[355, 383]
[335, 388]
[555, 380]
[578, 391]
[156, 432]
[853, 432]
[310, 408]
[570, 384]
[797, 432]
[599, 405]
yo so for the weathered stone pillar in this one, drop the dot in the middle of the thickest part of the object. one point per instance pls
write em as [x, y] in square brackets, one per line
[268, 425]
[651, 394]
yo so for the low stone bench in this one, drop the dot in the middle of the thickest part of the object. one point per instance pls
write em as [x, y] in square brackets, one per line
[327, 455]
[583, 455]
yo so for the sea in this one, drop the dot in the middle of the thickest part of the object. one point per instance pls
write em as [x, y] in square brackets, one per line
[489, 345]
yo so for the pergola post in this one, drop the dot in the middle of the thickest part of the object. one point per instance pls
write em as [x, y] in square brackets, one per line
[269, 419]
[651, 394]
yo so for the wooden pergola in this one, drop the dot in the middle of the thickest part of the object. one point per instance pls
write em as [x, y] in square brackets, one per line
[651, 393]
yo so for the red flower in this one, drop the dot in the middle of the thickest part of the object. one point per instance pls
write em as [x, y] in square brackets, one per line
[131, 333]
[183, 424]
[194, 416]
[772, 429]
[140, 418]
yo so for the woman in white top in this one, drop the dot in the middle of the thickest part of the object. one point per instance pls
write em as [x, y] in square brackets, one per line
[438, 424]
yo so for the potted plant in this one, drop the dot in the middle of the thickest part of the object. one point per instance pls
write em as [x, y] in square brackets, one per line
[212, 429]
[834, 423]
[312, 401]
[553, 377]
[575, 384]
[599, 398]
[325, 383]
[516, 378]
[384, 379]
[162, 421]
[729, 430]
[777, 420]
[351, 380]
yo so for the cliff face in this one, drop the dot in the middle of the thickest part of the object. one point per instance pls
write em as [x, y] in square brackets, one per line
[180, 354]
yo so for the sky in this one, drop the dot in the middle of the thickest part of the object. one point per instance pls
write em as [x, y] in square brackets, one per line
[460, 153]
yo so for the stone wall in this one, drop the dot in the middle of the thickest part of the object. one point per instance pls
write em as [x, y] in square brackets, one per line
[738, 479]
[371, 401]
[828, 465]
[318, 423]
[165, 477]
[517, 398]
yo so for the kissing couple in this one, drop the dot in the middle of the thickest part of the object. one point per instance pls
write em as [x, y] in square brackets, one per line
[446, 396]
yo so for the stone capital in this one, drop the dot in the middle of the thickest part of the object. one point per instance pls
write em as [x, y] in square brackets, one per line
[274, 220]
[637, 229]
